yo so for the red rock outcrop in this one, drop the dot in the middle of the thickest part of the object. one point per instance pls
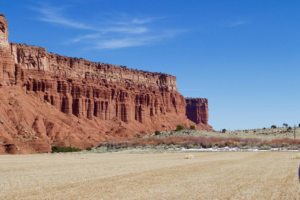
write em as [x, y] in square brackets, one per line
[197, 110]
[48, 99]
[88, 89]
[7, 64]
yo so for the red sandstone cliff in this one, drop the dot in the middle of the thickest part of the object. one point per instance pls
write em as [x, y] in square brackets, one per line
[7, 64]
[197, 110]
[48, 99]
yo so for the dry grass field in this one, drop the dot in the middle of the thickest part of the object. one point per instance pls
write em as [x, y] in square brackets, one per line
[264, 134]
[208, 175]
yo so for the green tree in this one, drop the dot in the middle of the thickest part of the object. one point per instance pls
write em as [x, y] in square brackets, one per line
[285, 125]
[192, 127]
[273, 126]
[179, 127]
[224, 130]
[157, 133]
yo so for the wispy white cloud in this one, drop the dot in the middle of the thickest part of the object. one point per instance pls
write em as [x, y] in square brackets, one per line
[85, 37]
[120, 43]
[238, 23]
[120, 32]
[102, 42]
[117, 43]
[134, 30]
[53, 15]
[142, 21]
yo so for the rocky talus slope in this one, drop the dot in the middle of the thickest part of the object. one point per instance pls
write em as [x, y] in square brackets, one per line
[48, 99]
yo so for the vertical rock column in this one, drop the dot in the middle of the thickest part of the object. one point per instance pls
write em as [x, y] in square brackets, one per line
[19, 74]
[65, 98]
[7, 64]
[197, 110]
[83, 103]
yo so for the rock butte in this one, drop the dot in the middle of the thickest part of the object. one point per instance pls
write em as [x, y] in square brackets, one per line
[197, 110]
[48, 99]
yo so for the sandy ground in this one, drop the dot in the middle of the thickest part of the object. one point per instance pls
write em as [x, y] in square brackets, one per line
[209, 175]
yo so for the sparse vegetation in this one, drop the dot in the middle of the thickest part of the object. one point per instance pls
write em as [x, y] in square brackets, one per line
[204, 142]
[179, 127]
[57, 149]
[285, 125]
[273, 126]
[264, 147]
[157, 132]
[192, 127]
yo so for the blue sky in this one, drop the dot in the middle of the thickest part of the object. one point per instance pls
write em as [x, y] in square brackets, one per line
[244, 56]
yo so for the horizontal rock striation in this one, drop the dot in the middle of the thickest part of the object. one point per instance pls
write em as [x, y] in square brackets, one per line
[88, 89]
[51, 99]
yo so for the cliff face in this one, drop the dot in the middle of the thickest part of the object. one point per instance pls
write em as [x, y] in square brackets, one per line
[87, 89]
[51, 99]
[7, 65]
[197, 110]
